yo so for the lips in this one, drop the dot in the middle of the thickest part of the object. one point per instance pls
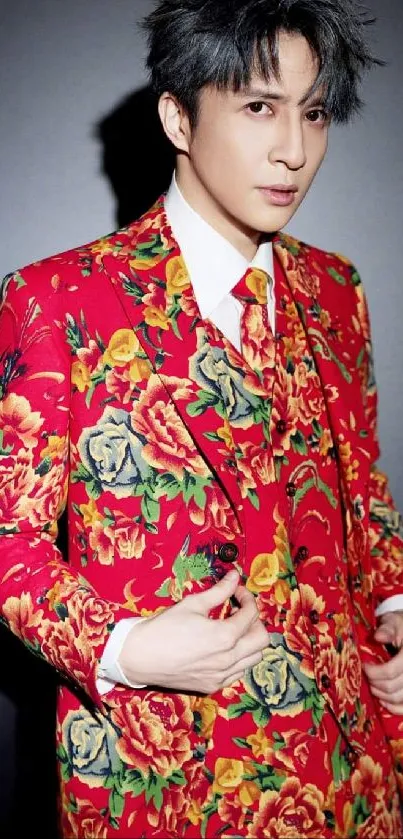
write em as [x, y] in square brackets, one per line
[280, 195]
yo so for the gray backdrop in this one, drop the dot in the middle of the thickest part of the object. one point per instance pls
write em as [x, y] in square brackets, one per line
[65, 69]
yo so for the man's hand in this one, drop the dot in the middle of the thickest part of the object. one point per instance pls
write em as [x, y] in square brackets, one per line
[183, 649]
[386, 680]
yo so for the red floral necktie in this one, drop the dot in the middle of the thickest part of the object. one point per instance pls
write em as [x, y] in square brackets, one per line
[258, 347]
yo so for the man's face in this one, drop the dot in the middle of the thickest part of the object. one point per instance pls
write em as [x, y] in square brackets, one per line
[252, 155]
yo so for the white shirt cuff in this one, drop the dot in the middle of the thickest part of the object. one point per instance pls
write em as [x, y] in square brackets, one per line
[391, 604]
[110, 671]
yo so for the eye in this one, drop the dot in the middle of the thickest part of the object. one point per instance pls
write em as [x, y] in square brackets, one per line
[317, 115]
[258, 108]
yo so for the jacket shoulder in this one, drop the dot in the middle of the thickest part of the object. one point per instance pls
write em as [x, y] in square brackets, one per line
[322, 258]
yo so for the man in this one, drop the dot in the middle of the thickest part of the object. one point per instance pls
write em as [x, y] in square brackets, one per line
[198, 390]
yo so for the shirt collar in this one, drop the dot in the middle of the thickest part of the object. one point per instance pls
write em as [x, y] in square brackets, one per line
[214, 265]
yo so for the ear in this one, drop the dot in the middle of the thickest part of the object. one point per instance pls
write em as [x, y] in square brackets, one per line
[175, 122]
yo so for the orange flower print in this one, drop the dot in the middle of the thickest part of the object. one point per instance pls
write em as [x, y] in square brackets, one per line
[67, 652]
[168, 446]
[255, 465]
[177, 276]
[259, 349]
[306, 607]
[129, 539]
[155, 732]
[218, 514]
[102, 542]
[87, 822]
[285, 413]
[90, 616]
[17, 482]
[382, 821]
[293, 812]
[21, 615]
[368, 779]
[348, 682]
[20, 425]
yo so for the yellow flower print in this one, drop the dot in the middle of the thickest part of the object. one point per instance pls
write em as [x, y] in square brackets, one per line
[80, 376]
[195, 813]
[325, 442]
[282, 592]
[248, 793]
[224, 433]
[122, 348]
[325, 318]
[90, 513]
[259, 743]
[257, 283]
[55, 448]
[228, 775]
[140, 369]
[208, 709]
[264, 572]
[154, 316]
[102, 247]
[177, 276]
[351, 466]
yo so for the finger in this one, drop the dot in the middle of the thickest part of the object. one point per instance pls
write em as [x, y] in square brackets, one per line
[393, 709]
[387, 696]
[215, 596]
[243, 665]
[391, 628]
[391, 670]
[231, 680]
[246, 615]
[385, 634]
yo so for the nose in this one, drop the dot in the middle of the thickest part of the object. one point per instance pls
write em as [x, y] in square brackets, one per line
[289, 147]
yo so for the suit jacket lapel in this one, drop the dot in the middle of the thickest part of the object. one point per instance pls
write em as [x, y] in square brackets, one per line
[335, 345]
[150, 279]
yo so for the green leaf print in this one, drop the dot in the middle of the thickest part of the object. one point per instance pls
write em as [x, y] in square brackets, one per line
[150, 509]
[336, 276]
[340, 766]
[116, 804]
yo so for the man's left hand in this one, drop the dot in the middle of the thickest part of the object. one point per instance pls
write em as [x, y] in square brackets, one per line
[386, 680]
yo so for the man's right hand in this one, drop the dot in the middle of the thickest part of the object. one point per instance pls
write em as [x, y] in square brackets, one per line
[184, 649]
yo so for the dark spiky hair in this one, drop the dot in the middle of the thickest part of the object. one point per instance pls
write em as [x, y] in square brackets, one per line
[195, 43]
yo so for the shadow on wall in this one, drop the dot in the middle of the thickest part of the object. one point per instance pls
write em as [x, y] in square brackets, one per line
[138, 161]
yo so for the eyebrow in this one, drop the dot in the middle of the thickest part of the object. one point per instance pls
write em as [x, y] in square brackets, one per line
[266, 93]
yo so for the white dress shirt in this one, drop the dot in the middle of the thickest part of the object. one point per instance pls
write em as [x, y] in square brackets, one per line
[215, 267]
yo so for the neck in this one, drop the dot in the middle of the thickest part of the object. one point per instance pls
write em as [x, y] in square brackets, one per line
[243, 239]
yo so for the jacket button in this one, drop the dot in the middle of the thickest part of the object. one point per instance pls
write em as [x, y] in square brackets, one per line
[228, 552]
[302, 554]
[291, 490]
[281, 427]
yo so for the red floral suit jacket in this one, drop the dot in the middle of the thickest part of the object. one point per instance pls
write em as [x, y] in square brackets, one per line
[100, 413]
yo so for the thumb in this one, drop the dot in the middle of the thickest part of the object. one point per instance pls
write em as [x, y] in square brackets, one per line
[388, 631]
[215, 596]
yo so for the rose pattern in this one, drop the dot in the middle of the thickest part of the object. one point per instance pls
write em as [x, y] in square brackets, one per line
[137, 400]
[278, 682]
[112, 453]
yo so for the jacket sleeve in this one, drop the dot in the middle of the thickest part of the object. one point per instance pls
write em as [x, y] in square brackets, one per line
[49, 606]
[385, 528]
